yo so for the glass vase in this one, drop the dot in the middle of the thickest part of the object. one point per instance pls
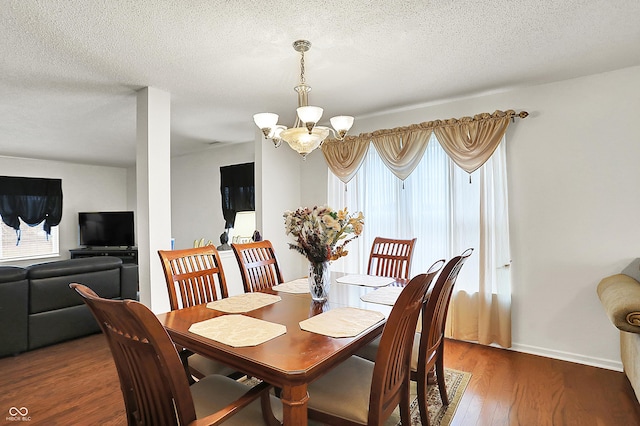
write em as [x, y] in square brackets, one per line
[319, 280]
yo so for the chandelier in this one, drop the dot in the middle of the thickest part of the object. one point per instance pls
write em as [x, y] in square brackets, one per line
[305, 135]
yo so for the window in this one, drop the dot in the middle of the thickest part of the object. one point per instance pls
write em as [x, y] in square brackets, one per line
[34, 242]
[447, 212]
[237, 189]
[436, 203]
[30, 209]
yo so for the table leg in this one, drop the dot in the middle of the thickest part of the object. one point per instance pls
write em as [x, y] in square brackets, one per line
[184, 357]
[294, 405]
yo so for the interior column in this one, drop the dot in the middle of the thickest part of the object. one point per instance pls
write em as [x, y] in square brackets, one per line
[153, 182]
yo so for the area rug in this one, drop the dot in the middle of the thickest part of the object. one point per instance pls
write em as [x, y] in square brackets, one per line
[439, 415]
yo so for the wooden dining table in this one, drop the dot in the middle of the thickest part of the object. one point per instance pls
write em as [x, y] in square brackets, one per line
[292, 360]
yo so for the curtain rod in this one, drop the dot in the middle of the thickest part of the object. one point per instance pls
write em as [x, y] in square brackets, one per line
[521, 114]
[508, 114]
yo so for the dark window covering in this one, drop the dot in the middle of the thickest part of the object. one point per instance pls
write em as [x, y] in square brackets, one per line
[238, 190]
[34, 200]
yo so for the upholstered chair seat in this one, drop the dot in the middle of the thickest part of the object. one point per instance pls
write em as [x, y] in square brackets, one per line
[210, 394]
[361, 392]
[202, 366]
[345, 391]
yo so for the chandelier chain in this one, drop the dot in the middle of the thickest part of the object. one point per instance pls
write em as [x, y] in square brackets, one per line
[302, 67]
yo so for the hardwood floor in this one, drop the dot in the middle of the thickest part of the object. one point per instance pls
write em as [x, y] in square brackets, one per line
[511, 388]
[71, 383]
[76, 383]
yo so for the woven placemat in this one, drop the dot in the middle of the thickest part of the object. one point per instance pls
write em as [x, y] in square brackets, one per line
[243, 302]
[238, 330]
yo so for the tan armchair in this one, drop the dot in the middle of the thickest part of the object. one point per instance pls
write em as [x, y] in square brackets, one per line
[620, 297]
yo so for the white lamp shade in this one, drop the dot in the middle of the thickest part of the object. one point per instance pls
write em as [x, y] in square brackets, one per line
[243, 226]
[303, 142]
[342, 122]
[265, 120]
[309, 114]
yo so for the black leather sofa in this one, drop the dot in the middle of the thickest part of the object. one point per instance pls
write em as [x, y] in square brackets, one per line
[37, 307]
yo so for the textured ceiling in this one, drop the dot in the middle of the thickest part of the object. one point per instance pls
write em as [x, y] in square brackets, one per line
[70, 68]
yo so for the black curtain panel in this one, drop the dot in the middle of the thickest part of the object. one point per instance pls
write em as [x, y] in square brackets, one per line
[34, 200]
[237, 188]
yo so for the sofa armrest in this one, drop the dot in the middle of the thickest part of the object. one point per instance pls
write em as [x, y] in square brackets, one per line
[620, 296]
[129, 281]
[14, 310]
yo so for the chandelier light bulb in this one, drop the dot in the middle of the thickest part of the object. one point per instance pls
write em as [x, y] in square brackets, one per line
[265, 121]
[310, 114]
[342, 124]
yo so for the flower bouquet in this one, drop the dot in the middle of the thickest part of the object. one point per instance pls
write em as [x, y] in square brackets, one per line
[321, 235]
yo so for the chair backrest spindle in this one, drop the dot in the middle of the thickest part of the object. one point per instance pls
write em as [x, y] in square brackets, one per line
[258, 265]
[193, 276]
[391, 257]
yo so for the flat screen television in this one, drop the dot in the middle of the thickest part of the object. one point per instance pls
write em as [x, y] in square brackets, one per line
[106, 229]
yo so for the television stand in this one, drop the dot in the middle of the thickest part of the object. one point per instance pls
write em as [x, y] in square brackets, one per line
[127, 254]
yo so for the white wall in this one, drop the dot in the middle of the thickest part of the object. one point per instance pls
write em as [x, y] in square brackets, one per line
[573, 182]
[84, 188]
[131, 188]
[314, 174]
[278, 189]
[573, 186]
[196, 204]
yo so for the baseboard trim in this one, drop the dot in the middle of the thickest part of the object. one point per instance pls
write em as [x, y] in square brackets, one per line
[568, 356]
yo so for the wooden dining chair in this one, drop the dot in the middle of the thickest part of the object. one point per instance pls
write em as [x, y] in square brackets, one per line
[428, 367]
[152, 381]
[431, 338]
[361, 392]
[391, 257]
[195, 276]
[258, 265]
[426, 373]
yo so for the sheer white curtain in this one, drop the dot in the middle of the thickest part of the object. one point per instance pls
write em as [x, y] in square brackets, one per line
[480, 307]
[448, 214]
